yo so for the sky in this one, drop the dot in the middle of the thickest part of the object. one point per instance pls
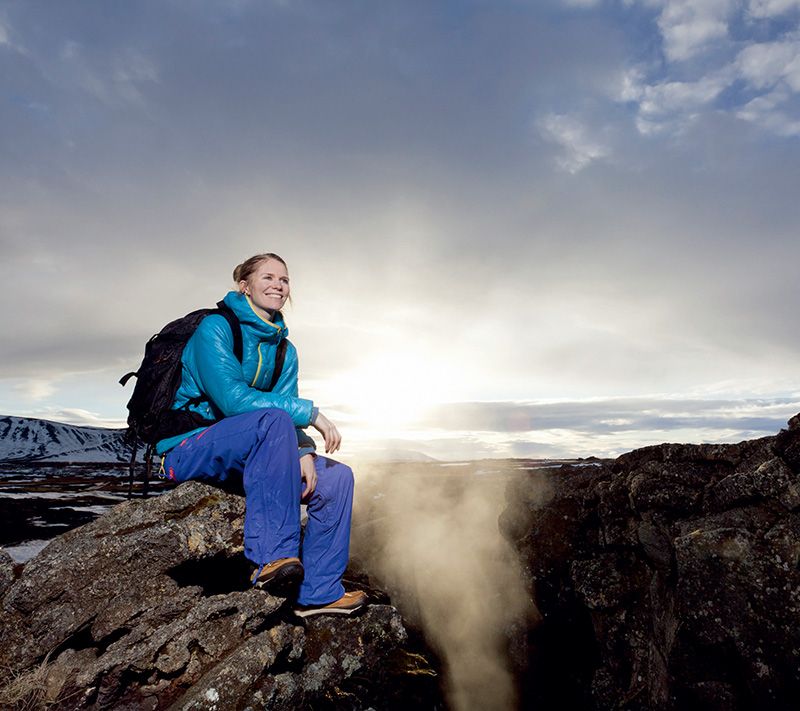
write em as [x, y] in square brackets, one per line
[514, 229]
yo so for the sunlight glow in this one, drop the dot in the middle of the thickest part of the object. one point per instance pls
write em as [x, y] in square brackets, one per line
[391, 390]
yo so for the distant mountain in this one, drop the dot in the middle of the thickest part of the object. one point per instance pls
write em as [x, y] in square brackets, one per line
[26, 439]
[392, 455]
[29, 439]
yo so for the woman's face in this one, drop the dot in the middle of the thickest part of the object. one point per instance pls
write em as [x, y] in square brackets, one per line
[267, 286]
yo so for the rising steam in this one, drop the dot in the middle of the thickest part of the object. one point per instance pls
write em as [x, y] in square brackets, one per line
[432, 540]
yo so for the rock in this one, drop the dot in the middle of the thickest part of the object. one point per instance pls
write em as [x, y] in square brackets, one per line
[99, 578]
[6, 571]
[655, 542]
[771, 479]
[787, 444]
[150, 606]
[231, 683]
[603, 582]
[668, 579]
[658, 486]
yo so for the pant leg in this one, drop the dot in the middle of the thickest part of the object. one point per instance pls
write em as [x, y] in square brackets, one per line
[260, 447]
[326, 543]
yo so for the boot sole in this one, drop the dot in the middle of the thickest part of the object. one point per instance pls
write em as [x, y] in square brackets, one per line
[328, 611]
[284, 581]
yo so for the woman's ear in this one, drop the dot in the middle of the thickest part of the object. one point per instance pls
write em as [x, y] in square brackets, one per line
[243, 287]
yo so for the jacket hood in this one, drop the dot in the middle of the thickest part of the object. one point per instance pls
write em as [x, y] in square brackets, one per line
[275, 330]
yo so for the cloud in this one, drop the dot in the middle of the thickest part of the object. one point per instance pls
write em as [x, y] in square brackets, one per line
[671, 104]
[688, 27]
[773, 68]
[8, 38]
[616, 414]
[35, 388]
[771, 8]
[677, 97]
[765, 64]
[765, 112]
[756, 81]
[116, 79]
[573, 137]
[74, 416]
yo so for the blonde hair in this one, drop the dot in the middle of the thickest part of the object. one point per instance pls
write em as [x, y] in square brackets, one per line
[248, 266]
[243, 271]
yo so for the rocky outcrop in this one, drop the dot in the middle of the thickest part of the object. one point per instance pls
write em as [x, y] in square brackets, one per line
[667, 579]
[149, 607]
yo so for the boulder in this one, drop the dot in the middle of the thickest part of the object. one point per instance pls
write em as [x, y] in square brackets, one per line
[150, 607]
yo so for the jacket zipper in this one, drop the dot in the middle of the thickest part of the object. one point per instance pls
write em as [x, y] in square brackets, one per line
[258, 369]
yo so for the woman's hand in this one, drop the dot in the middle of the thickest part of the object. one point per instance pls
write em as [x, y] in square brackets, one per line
[327, 429]
[308, 473]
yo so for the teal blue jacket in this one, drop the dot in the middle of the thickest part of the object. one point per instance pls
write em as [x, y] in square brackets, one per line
[212, 372]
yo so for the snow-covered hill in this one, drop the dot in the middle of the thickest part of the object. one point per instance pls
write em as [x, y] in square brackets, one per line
[26, 439]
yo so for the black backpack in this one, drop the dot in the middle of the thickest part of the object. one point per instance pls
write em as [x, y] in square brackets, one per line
[151, 417]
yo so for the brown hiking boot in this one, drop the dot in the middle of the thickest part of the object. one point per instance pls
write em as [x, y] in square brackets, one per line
[280, 577]
[347, 604]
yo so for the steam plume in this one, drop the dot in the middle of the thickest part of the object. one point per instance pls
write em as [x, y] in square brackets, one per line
[431, 539]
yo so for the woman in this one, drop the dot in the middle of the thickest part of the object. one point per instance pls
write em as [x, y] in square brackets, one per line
[259, 437]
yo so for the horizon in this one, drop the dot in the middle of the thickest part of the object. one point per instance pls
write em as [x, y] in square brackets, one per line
[374, 452]
[553, 230]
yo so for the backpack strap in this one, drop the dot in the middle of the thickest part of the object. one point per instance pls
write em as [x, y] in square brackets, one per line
[238, 348]
[280, 356]
[148, 468]
[132, 463]
[236, 328]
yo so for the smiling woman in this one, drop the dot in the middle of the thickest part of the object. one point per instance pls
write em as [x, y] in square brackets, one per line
[254, 421]
[264, 280]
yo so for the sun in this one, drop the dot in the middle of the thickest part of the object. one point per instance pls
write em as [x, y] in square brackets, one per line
[392, 390]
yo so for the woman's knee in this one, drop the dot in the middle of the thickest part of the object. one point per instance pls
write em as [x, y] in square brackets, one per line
[271, 418]
[336, 478]
[346, 478]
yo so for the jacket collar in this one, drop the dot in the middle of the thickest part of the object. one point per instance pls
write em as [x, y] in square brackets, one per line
[247, 315]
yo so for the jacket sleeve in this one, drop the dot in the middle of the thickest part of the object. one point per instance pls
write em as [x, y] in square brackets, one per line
[220, 377]
[305, 443]
[287, 385]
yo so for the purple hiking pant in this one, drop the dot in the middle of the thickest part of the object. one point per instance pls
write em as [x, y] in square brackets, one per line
[260, 447]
